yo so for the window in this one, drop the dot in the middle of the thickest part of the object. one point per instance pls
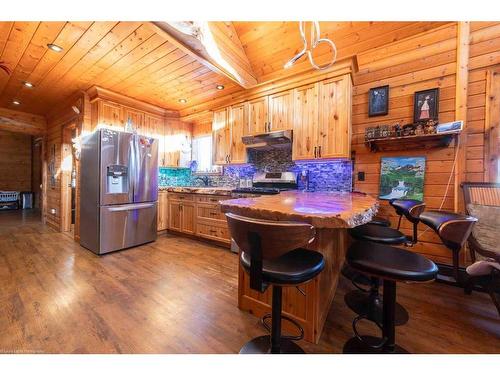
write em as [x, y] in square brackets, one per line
[202, 155]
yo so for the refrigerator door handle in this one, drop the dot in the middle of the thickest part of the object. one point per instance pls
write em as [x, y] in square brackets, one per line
[131, 207]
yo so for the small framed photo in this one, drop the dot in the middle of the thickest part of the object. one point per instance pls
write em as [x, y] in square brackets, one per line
[378, 101]
[426, 105]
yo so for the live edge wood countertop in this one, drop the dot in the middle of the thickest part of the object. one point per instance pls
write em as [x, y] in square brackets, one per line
[331, 214]
[320, 209]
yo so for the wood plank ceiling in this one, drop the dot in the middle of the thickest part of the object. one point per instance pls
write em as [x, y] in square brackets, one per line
[127, 57]
[138, 60]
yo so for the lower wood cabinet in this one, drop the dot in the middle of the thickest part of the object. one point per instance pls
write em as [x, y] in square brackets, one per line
[198, 215]
[162, 218]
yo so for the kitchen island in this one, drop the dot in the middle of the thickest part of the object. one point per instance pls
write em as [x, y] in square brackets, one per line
[331, 214]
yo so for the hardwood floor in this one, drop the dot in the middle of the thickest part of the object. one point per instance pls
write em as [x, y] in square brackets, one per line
[178, 295]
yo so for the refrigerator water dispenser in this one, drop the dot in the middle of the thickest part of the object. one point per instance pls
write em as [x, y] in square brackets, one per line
[117, 179]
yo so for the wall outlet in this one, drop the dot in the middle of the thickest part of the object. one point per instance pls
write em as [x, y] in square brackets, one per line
[361, 176]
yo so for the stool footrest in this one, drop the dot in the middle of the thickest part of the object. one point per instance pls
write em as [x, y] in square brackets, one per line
[264, 320]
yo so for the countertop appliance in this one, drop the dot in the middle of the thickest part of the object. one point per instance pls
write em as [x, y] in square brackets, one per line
[118, 191]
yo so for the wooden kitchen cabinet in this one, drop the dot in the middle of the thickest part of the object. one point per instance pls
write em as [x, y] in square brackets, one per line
[174, 215]
[181, 213]
[220, 137]
[162, 222]
[238, 126]
[136, 117]
[109, 114]
[177, 146]
[322, 120]
[305, 123]
[258, 115]
[334, 125]
[281, 110]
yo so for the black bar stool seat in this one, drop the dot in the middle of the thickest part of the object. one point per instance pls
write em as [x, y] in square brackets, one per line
[389, 262]
[392, 265]
[378, 233]
[295, 267]
[377, 220]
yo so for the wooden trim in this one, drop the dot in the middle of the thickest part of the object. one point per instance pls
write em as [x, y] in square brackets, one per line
[96, 92]
[22, 122]
[192, 46]
[342, 67]
[461, 86]
[492, 125]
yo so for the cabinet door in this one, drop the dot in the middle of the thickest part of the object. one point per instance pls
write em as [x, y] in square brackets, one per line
[221, 137]
[258, 116]
[109, 114]
[281, 111]
[238, 122]
[188, 218]
[154, 126]
[174, 215]
[136, 117]
[162, 211]
[334, 129]
[305, 123]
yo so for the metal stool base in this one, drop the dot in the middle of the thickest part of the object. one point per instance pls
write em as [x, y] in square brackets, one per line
[262, 345]
[362, 304]
[355, 346]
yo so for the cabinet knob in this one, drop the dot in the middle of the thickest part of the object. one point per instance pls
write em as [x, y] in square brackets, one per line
[319, 151]
[315, 151]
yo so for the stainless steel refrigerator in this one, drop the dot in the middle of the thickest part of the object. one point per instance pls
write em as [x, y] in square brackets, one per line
[118, 190]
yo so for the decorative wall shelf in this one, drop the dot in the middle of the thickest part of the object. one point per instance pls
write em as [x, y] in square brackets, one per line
[412, 142]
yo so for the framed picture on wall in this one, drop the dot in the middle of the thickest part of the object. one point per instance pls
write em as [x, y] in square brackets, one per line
[402, 177]
[378, 101]
[426, 105]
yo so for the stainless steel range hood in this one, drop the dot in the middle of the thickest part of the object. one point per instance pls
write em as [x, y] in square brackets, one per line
[266, 141]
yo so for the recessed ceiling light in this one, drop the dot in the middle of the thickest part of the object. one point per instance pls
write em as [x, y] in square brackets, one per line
[16, 102]
[219, 87]
[54, 47]
[182, 101]
[28, 84]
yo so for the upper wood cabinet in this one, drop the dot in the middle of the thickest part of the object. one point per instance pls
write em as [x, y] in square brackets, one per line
[135, 116]
[177, 149]
[108, 114]
[258, 115]
[334, 130]
[280, 113]
[305, 123]
[322, 120]
[238, 124]
[271, 113]
[221, 136]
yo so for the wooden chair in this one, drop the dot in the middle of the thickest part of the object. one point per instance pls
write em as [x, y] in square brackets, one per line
[483, 194]
[270, 251]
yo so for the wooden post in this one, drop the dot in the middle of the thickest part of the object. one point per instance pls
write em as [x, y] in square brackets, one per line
[461, 83]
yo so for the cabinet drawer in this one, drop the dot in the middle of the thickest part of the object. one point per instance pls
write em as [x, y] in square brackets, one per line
[210, 211]
[213, 199]
[180, 197]
[214, 232]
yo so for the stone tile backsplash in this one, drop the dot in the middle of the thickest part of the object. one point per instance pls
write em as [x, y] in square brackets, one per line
[334, 175]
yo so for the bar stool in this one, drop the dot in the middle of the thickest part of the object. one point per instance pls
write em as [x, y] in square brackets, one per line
[271, 254]
[392, 265]
[367, 302]
[453, 229]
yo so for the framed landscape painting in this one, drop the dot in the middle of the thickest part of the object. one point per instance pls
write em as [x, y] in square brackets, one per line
[402, 178]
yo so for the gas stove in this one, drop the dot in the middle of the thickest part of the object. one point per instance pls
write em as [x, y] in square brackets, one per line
[269, 183]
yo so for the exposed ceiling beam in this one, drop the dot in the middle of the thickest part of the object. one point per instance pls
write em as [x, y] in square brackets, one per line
[215, 45]
[22, 122]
